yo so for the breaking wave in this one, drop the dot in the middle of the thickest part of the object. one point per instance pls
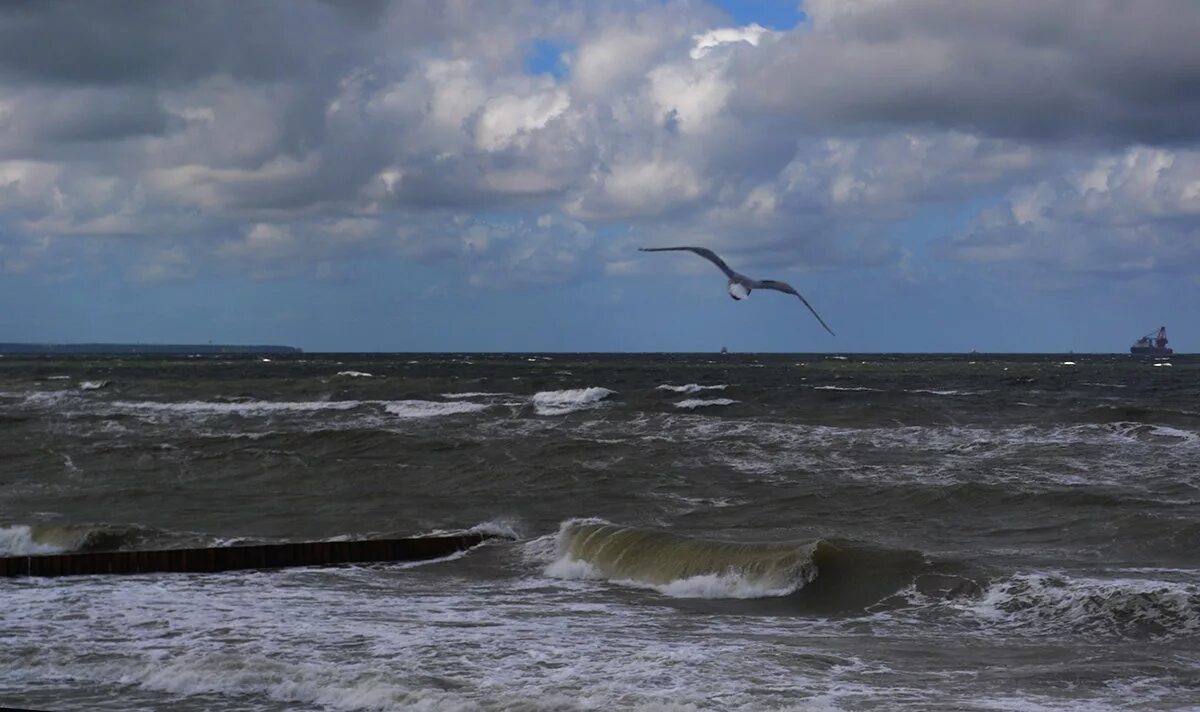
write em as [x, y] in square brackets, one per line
[694, 403]
[820, 575]
[431, 409]
[1051, 603]
[691, 388]
[569, 401]
[355, 374]
[37, 539]
[682, 566]
[238, 408]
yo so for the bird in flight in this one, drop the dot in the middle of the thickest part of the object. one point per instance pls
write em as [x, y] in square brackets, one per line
[740, 285]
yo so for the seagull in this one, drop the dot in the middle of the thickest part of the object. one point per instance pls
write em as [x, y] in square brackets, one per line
[740, 285]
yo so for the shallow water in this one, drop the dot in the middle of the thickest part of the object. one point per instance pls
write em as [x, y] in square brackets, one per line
[686, 532]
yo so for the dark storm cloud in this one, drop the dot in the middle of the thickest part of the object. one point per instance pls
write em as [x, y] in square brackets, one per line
[84, 115]
[114, 42]
[1111, 70]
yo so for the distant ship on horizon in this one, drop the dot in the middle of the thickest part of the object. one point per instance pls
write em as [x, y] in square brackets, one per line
[1152, 344]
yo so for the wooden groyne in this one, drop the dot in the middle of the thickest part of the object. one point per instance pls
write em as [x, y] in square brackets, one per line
[232, 558]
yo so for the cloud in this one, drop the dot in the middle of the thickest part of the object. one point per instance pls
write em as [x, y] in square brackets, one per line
[281, 137]
[1108, 71]
[1124, 214]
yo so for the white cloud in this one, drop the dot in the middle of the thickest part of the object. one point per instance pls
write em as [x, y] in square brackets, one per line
[344, 129]
[1124, 213]
[506, 117]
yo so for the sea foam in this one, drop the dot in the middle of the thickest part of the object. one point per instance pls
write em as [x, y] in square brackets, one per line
[569, 401]
[1044, 603]
[21, 540]
[431, 409]
[691, 388]
[694, 403]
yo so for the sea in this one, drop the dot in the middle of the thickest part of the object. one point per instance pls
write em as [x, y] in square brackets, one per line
[672, 531]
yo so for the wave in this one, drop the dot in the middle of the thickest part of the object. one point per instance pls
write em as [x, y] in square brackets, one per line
[238, 408]
[37, 539]
[1049, 603]
[431, 409]
[846, 388]
[817, 576]
[691, 388]
[569, 401]
[355, 374]
[945, 392]
[694, 403]
[93, 385]
[681, 566]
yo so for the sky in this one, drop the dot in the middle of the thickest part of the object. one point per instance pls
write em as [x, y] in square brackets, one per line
[456, 175]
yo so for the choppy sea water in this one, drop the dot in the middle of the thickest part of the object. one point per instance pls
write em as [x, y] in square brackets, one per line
[691, 532]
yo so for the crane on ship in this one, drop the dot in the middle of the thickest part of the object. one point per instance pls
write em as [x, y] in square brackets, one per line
[1152, 344]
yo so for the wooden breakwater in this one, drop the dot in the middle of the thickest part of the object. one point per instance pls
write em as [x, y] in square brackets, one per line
[232, 558]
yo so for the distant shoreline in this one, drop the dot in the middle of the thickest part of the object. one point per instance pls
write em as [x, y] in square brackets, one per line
[27, 348]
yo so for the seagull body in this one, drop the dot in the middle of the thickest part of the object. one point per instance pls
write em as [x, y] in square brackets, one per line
[740, 285]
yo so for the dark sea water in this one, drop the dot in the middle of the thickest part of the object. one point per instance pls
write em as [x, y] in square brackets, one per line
[687, 532]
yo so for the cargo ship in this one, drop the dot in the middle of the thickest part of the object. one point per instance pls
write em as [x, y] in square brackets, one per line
[1152, 344]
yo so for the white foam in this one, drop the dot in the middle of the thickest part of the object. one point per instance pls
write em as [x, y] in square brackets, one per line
[474, 394]
[725, 585]
[355, 374]
[570, 400]
[431, 409]
[694, 403]
[19, 540]
[691, 388]
[1159, 365]
[92, 385]
[338, 639]
[241, 408]
[707, 586]
[846, 388]
[1052, 602]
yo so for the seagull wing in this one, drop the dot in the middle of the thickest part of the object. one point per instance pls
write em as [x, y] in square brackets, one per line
[787, 289]
[702, 251]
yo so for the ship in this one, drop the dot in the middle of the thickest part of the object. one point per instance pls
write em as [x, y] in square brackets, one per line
[1152, 344]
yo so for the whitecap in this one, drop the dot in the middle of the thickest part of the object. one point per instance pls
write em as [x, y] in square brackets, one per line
[242, 408]
[1048, 602]
[694, 403]
[355, 374]
[691, 388]
[570, 400]
[20, 540]
[430, 409]
[93, 385]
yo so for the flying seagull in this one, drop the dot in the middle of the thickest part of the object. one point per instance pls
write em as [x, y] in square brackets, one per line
[740, 285]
